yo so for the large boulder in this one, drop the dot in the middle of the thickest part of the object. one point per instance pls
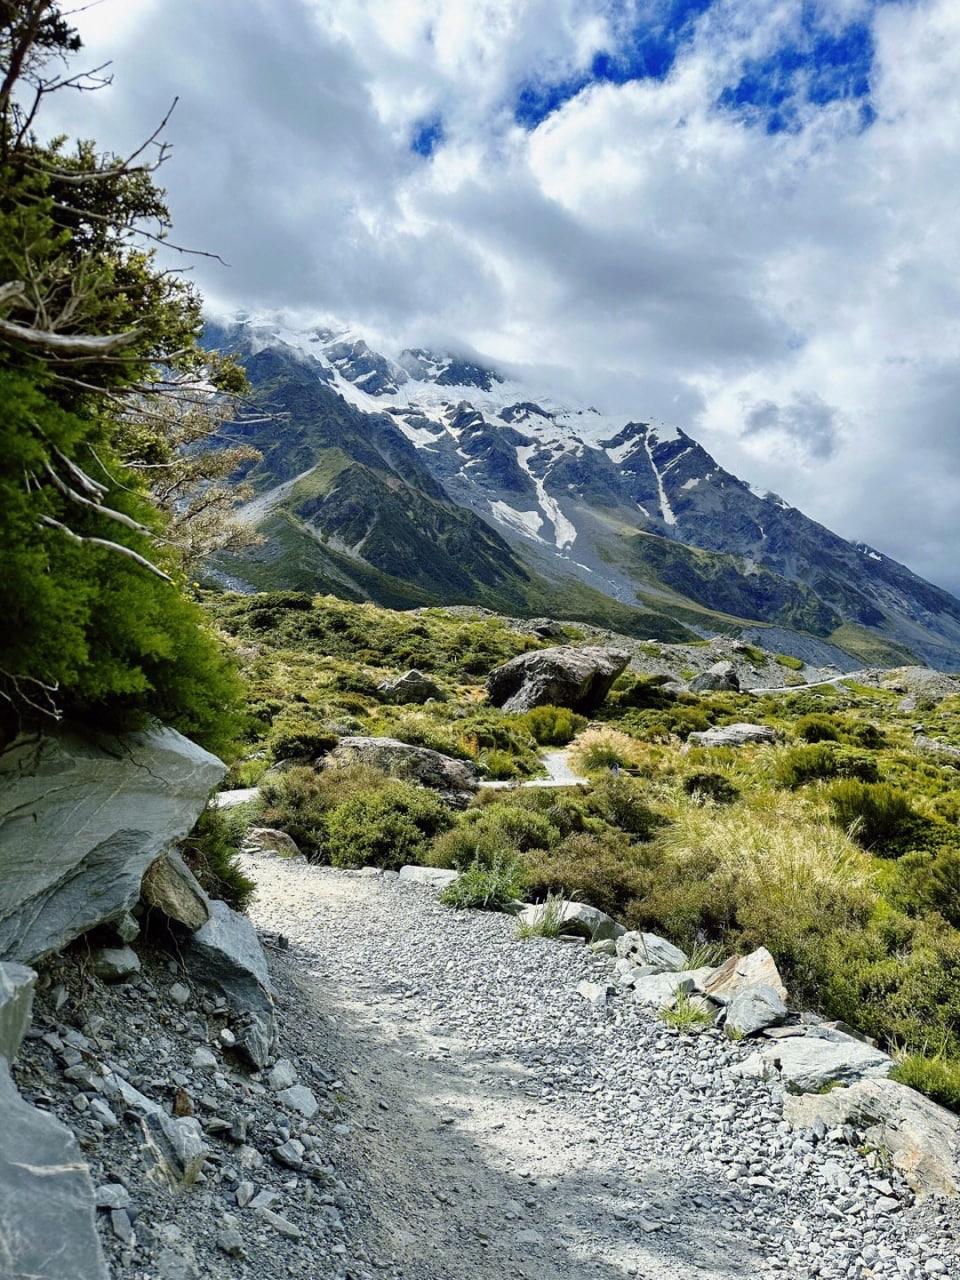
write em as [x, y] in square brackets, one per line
[738, 973]
[731, 735]
[721, 677]
[561, 677]
[577, 918]
[226, 955]
[47, 1230]
[807, 1064]
[649, 950]
[171, 887]
[454, 779]
[922, 1138]
[413, 687]
[82, 816]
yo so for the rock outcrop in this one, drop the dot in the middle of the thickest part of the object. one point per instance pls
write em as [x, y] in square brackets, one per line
[731, 735]
[81, 819]
[454, 779]
[412, 687]
[562, 677]
[721, 677]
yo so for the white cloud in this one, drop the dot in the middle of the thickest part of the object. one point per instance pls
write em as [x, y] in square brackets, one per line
[790, 298]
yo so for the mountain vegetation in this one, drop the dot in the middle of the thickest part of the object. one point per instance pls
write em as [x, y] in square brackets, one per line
[107, 493]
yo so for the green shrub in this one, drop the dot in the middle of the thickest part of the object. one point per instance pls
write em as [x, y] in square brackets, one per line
[620, 802]
[211, 851]
[705, 785]
[822, 761]
[603, 869]
[300, 800]
[929, 881]
[385, 828]
[878, 816]
[642, 692]
[817, 728]
[937, 1077]
[868, 735]
[486, 888]
[552, 726]
[788, 661]
[300, 740]
[491, 834]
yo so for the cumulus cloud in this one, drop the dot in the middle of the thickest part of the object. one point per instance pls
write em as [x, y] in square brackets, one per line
[743, 220]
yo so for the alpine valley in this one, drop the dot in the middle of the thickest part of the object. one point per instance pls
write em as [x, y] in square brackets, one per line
[430, 479]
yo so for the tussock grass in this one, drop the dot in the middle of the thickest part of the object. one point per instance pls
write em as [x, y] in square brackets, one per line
[597, 750]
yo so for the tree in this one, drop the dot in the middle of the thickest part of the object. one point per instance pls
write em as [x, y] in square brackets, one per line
[108, 492]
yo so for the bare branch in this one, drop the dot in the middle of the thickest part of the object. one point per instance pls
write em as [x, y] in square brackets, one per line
[11, 291]
[118, 547]
[75, 344]
[100, 509]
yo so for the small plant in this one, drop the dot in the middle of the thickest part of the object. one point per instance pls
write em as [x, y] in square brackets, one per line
[486, 888]
[705, 955]
[787, 660]
[938, 1077]
[706, 785]
[549, 923]
[686, 1014]
[211, 853]
[817, 728]
[734, 1034]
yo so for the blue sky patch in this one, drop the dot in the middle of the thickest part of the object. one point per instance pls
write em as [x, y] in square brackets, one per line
[427, 136]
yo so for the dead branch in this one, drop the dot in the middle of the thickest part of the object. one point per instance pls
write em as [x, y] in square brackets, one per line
[67, 345]
[118, 547]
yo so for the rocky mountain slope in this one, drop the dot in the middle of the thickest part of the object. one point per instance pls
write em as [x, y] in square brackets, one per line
[427, 479]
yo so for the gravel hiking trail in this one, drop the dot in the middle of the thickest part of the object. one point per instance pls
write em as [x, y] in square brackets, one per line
[501, 1126]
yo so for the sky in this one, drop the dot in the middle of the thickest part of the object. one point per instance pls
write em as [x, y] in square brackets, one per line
[741, 217]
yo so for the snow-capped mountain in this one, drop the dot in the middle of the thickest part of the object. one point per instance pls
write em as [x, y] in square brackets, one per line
[637, 512]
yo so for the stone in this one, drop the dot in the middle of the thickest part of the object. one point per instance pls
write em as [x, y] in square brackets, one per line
[204, 1060]
[300, 1099]
[125, 926]
[411, 687]
[179, 993]
[738, 972]
[226, 955]
[113, 964]
[177, 1142]
[453, 779]
[102, 1112]
[754, 1008]
[649, 949]
[112, 1195]
[808, 1063]
[434, 877]
[230, 1242]
[731, 735]
[290, 1153]
[82, 816]
[16, 1005]
[282, 1075]
[47, 1198]
[563, 676]
[922, 1138]
[270, 840]
[578, 918]
[660, 990]
[171, 887]
[596, 993]
[932, 747]
[722, 676]
[283, 1226]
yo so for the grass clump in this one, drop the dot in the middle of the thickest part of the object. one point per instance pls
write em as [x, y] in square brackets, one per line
[686, 1014]
[552, 726]
[597, 750]
[706, 785]
[878, 816]
[787, 660]
[549, 922]
[211, 851]
[817, 728]
[821, 761]
[486, 887]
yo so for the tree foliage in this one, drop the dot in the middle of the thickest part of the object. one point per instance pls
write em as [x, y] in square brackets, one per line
[109, 491]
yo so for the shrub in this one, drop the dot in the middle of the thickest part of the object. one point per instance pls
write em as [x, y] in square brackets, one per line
[300, 800]
[937, 1077]
[642, 692]
[814, 728]
[822, 761]
[211, 851]
[300, 740]
[868, 735]
[599, 749]
[603, 869]
[552, 726]
[705, 785]
[385, 828]
[787, 660]
[485, 835]
[486, 888]
[620, 802]
[927, 881]
[878, 816]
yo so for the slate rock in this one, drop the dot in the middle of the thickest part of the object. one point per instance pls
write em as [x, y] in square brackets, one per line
[650, 949]
[563, 676]
[577, 918]
[226, 955]
[16, 1004]
[411, 687]
[434, 877]
[171, 887]
[82, 816]
[922, 1138]
[754, 1008]
[596, 993]
[453, 779]
[731, 735]
[739, 972]
[808, 1063]
[300, 1099]
[722, 676]
[113, 964]
[270, 840]
[47, 1198]
[660, 990]
[177, 1142]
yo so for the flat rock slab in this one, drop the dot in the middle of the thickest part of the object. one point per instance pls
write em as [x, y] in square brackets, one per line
[577, 918]
[752, 1009]
[808, 1063]
[923, 1139]
[16, 1004]
[226, 955]
[561, 677]
[46, 1197]
[434, 877]
[650, 949]
[82, 816]
[660, 990]
[731, 735]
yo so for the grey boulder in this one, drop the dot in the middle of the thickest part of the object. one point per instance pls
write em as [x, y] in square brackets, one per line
[16, 1004]
[923, 1139]
[562, 677]
[270, 840]
[453, 779]
[82, 816]
[754, 1008]
[731, 735]
[433, 877]
[577, 918]
[171, 887]
[808, 1063]
[645, 949]
[411, 687]
[722, 676]
[740, 972]
[47, 1196]
[226, 955]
